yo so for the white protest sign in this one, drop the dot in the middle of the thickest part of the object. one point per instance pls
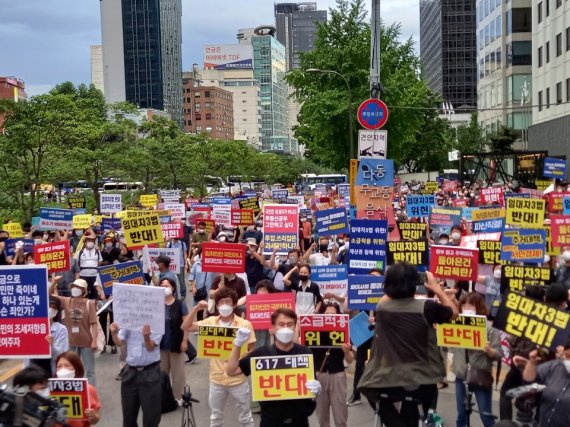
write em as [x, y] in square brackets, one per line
[111, 203]
[170, 195]
[153, 253]
[135, 306]
[178, 210]
[372, 144]
[222, 216]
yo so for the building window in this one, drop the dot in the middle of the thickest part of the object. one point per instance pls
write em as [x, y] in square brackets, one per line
[207, 93]
[197, 94]
[540, 56]
[568, 90]
[519, 20]
[208, 116]
[547, 48]
[567, 39]
[558, 45]
[547, 97]
[540, 101]
[208, 129]
[198, 116]
[198, 129]
[547, 7]
[522, 53]
[559, 93]
[539, 12]
[558, 3]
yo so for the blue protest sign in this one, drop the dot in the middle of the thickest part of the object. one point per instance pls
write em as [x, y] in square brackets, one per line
[364, 291]
[488, 225]
[11, 246]
[419, 206]
[24, 311]
[111, 223]
[375, 172]
[367, 248]
[165, 219]
[566, 205]
[523, 245]
[56, 219]
[554, 168]
[306, 213]
[330, 278]
[343, 190]
[517, 195]
[359, 328]
[127, 272]
[331, 221]
[279, 194]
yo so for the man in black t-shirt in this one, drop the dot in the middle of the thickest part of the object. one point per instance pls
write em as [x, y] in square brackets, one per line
[277, 413]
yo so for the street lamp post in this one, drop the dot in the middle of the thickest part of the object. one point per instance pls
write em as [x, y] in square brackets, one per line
[350, 133]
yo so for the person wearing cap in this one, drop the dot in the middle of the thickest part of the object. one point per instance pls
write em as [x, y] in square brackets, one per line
[163, 263]
[254, 264]
[81, 323]
[88, 259]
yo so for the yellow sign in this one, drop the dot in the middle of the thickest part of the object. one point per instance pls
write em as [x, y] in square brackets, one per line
[542, 184]
[430, 187]
[352, 179]
[525, 213]
[98, 219]
[216, 342]
[281, 377]
[149, 200]
[14, 228]
[144, 230]
[483, 214]
[81, 222]
[464, 332]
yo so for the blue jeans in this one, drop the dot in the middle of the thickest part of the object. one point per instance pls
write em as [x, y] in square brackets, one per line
[88, 359]
[484, 403]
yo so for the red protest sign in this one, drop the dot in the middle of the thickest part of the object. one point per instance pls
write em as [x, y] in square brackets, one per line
[242, 217]
[556, 201]
[223, 257]
[55, 255]
[449, 185]
[324, 330]
[280, 228]
[492, 196]
[560, 226]
[210, 224]
[73, 394]
[454, 262]
[471, 240]
[258, 307]
[172, 230]
[459, 203]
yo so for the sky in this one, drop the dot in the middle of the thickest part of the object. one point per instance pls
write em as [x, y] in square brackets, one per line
[46, 42]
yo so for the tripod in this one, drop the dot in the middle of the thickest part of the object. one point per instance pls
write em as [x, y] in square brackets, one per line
[188, 419]
[468, 404]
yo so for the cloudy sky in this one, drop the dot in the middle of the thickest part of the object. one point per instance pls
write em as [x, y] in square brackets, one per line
[45, 42]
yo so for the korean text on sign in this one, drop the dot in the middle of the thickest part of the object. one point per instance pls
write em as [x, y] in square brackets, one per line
[331, 278]
[414, 252]
[490, 252]
[55, 255]
[55, 219]
[525, 213]
[465, 332]
[419, 206]
[364, 291]
[454, 263]
[520, 316]
[324, 330]
[331, 222]
[523, 245]
[216, 342]
[223, 257]
[412, 230]
[127, 272]
[143, 230]
[280, 228]
[111, 203]
[259, 307]
[516, 277]
[24, 321]
[281, 377]
[242, 217]
[560, 226]
[73, 394]
[367, 248]
[483, 214]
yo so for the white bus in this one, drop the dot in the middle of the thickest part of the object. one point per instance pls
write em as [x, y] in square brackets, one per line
[122, 186]
[309, 180]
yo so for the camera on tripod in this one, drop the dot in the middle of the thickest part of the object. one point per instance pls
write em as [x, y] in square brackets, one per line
[526, 401]
[188, 419]
[23, 408]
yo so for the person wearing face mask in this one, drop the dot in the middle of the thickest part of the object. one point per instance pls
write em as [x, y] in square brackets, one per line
[68, 365]
[180, 244]
[481, 360]
[201, 281]
[81, 323]
[563, 273]
[174, 342]
[283, 269]
[277, 413]
[75, 238]
[88, 259]
[308, 297]
[163, 264]
[110, 252]
[456, 233]
[322, 257]
[57, 337]
[254, 264]
[554, 401]
[33, 378]
[200, 234]
[493, 294]
[443, 239]
[221, 384]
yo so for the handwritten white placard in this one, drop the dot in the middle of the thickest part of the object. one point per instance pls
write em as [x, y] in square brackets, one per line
[135, 306]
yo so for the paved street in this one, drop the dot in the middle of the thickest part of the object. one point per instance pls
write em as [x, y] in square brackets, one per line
[197, 378]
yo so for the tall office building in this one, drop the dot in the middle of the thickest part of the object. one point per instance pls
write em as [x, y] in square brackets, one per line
[296, 25]
[97, 79]
[142, 57]
[504, 33]
[551, 77]
[448, 50]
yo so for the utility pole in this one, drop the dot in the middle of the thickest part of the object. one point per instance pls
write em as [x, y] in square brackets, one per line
[376, 88]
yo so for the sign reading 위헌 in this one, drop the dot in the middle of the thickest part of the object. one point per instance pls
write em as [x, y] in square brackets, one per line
[259, 307]
[324, 330]
[223, 257]
[367, 248]
[454, 262]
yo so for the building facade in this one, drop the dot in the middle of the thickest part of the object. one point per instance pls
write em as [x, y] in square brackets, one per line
[142, 59]
[448, 50]
[551, 77]
[13, 89]
[97, 74]
[296, 25]
[504, 45]
[207, 109]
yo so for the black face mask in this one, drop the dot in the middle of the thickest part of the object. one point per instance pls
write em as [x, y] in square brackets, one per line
[303, 278]
[3, 239]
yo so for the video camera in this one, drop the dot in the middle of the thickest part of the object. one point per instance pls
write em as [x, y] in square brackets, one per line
[526, 400]
[23, 408]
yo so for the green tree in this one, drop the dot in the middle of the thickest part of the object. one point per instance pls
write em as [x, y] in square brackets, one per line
[470, 138]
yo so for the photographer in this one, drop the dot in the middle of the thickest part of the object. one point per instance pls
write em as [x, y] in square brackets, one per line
[554, 403]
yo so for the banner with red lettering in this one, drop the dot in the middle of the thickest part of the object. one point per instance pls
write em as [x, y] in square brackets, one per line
[560, 226]
[223, 257]
[556, 201]
[454, 262]
[55, 255]
[492, 196]
[172, 230]
[258, 307]
[280, 228]
[242, 217]
[210, 224]
[324, 330]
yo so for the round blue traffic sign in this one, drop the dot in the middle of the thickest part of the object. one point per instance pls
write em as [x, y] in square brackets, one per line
[372, 114]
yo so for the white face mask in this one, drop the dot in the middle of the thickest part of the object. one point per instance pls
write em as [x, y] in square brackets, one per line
[90, 245]
[225, 310]
[567, 365]
[565, 256]
[468, 312]
[76, 292]
[168, 292]
[44, 392]
[497, 274]
[443, 241]
[546, 259]
[65, 373]
[52, 313]
[284, 335]
[456, 236]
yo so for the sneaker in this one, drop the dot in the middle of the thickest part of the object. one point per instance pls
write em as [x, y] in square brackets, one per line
[119, 375]
[193, 361]
[353, 401]
[179, 402]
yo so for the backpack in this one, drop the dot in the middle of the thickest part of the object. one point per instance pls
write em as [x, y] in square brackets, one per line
[91, 290]
[169, 403]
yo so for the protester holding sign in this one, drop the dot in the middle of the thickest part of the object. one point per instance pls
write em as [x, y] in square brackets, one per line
[68, 365]
[308, 297]
[223, 385]
[88, 259]
[277, 413]
[474, 367]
